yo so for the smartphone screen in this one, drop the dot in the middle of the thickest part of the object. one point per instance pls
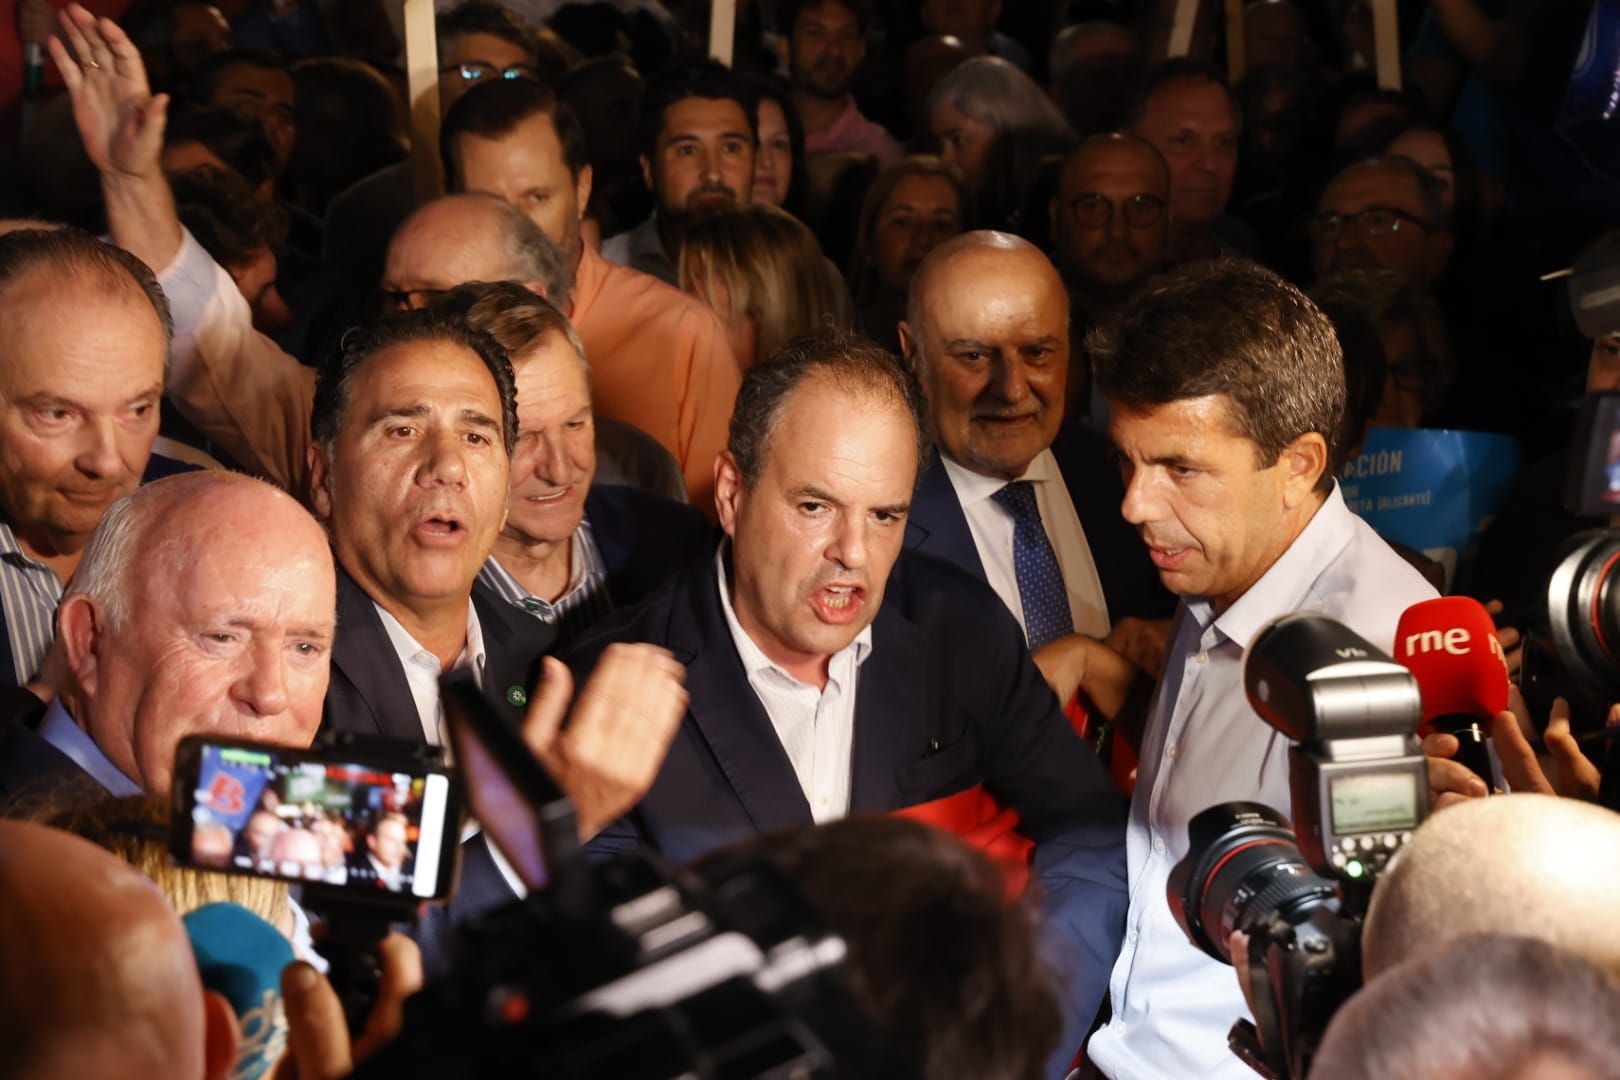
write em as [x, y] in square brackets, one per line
[320, 817]
[528, 818]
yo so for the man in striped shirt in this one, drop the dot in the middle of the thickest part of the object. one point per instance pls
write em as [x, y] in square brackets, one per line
[87, 332]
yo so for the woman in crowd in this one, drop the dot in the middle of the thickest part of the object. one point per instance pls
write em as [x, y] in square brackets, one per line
[779, 174]
[761, 271]
[995, 124]
[912, 206]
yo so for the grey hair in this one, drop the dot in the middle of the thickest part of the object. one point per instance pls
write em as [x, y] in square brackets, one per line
[103, 573]
[533, 256]
[1504, 1003]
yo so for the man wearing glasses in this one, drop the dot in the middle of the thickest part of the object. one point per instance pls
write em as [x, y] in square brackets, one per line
[1111, 225]
[1385, 212]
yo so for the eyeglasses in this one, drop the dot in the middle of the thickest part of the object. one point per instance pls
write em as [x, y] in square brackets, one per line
[1369, 224]
[476, 71]
[1096, 211]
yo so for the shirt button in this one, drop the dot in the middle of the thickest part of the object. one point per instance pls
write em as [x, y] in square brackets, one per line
[1202, 658]
[1158, 844]
[1170, 751]
[1131, 937]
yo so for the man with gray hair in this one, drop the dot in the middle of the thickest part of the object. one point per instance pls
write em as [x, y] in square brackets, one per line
[202, 604]
[1226, 391]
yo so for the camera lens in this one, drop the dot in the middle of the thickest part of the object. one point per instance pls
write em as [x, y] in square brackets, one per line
[1583, 607]
[1242, 866]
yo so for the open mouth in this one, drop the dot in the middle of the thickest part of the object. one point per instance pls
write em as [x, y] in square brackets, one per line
[838, 603]
[1168, 558]
[437, 528]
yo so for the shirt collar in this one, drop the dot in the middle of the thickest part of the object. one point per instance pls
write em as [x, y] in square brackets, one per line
[753, 657]
[581, 555]
[1285, 585]
[409, 650]
[972, 487]
[58, 729]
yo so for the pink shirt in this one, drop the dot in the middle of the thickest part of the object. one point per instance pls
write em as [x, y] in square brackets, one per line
[854, 133]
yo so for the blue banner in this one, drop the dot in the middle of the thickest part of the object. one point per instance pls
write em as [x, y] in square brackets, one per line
[1430, 490]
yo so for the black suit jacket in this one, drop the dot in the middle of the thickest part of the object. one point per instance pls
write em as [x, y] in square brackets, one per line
[1131, 586]
[643, 538]
[947, 699]
[368, 693]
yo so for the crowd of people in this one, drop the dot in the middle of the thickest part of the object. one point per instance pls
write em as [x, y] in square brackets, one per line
[874, 454]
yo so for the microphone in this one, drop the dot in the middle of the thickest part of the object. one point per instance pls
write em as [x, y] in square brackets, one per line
[1450, 646]
[241, 957]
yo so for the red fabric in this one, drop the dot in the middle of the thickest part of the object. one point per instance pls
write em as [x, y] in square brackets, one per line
[1117, 755]
[976, 818]
[11, 58]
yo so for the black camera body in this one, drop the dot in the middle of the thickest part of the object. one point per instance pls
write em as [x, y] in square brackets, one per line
[1359, 787]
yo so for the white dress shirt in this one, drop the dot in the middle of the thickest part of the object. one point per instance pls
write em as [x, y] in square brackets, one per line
[1204, 745]
[992, 527]
[422, 668]
[816, 726]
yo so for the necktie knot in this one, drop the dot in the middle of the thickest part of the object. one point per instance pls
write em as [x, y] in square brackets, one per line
[1018, 499]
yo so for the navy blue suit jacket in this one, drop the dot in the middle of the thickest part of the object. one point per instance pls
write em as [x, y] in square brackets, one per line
[368, 693]
[1131, 586]
[948, 699]
[643, 538]
[32, 768]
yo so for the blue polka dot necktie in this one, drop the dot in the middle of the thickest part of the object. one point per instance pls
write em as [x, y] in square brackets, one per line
[1040, 581]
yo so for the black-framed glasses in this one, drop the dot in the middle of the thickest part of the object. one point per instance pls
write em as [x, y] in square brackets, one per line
[1370, 224]
[1093, 211]
[476, 71]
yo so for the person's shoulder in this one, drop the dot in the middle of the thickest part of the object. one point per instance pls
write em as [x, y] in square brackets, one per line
[618, 505]
[650, 621]
[936, 592]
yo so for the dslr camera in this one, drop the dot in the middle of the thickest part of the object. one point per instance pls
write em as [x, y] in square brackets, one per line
[1359, 786]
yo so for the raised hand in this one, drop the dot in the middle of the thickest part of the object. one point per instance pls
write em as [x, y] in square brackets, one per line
[119, 120]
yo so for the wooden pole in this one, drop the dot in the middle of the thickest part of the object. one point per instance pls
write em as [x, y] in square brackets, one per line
[422, 70]
[722, 30]
[1181, 29]
[1387, 44]
[1234, 41]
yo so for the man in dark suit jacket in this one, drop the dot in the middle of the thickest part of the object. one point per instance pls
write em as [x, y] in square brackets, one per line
[1015, 498]
[823, 684]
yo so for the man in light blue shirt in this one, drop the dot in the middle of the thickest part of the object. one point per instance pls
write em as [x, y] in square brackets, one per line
[1226, 390]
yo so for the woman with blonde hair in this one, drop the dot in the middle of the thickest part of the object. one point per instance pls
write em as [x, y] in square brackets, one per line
[913, 206]
[761, 271]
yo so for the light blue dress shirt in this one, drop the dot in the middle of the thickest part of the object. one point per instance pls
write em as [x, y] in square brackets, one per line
[1204, 745]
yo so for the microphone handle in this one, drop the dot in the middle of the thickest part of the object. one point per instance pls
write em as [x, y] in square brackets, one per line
[1474, 745]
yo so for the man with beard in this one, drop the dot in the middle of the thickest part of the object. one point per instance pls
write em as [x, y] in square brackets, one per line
[1111, 224]
[825, 43]
[699, 137]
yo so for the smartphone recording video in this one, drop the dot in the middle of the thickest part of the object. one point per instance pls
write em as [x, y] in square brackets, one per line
[1593, 484]
[333, 817]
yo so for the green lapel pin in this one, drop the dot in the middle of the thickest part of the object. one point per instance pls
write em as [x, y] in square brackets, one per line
[518, 696]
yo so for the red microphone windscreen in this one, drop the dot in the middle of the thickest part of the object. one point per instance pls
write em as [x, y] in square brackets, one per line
[1450, 646]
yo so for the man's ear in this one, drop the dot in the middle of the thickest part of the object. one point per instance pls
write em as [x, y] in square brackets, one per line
[1306, 459]
[78, 633]
[728, 490]
[647, 174]
[221, 1035]
[582, 189]
[320, 483]
[784, 48]
[908, 346]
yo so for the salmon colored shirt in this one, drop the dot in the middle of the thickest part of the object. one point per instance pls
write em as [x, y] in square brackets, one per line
[659, 360]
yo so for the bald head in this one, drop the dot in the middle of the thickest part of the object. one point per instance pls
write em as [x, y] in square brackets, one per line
[1513, 864]
[987, 332]
[98, 979]
[471, 237]
[205, 603]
